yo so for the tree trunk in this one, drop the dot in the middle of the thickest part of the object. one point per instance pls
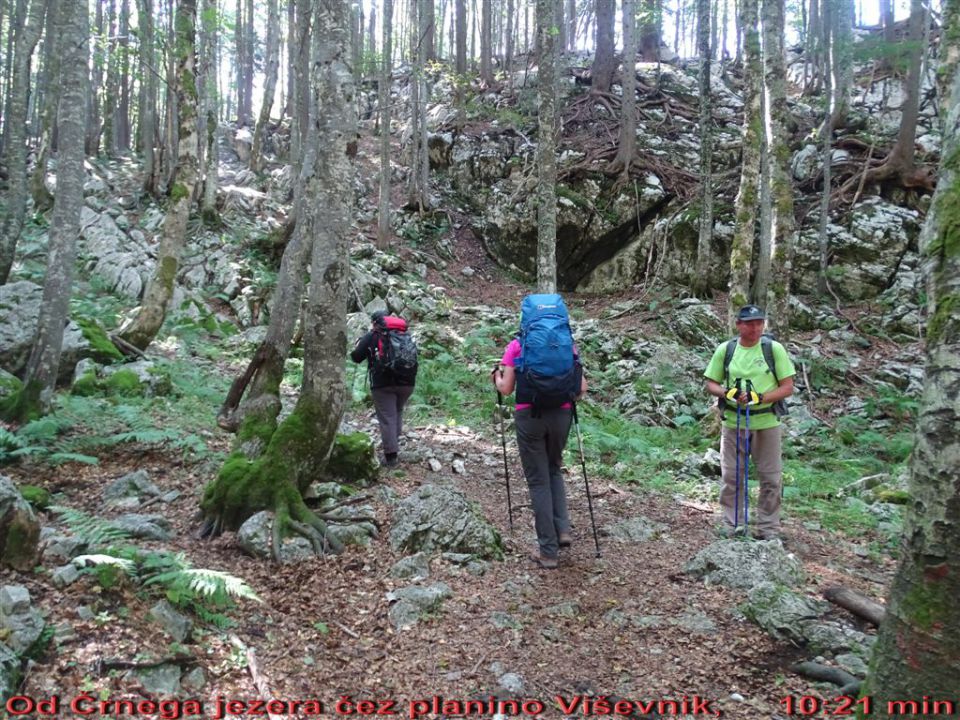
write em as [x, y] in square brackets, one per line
[15, 200]
[92, 138]
[812, 50]
[546, 151]
[604, 60]
[461, 12]
[783, 237]
[111, 87]
[383, 219]
[301, 88]
[571, 25]
[887, 18]
[702, 275]
[288, 108]
[915, 656]
[250, 44]
[486, 62]
[508, 40]
[241, 63]
[298, 448]
[36, 395]
[745, 204]
[650, 31]
[42, 198]
[372, 29]
[415, 190]
[627, 144]
[827, 138]
[210, 23]
[843, 61]
[560, 28]
[270, 84]
[429, 33]
[148, 94]
[122, 123]
[144, 327]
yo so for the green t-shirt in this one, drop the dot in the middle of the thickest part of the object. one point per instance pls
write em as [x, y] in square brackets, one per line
[747, 363]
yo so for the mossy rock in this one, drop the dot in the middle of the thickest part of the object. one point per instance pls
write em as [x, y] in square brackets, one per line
[353, 459]
[9, 384]
[87, 385]
[892, 496]
[124, 383]
[101, 348]
[36, 496]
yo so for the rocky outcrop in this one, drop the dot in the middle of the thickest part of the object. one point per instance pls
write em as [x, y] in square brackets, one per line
[19, 529]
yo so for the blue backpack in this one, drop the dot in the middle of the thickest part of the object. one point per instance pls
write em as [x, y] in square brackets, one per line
[548, 373]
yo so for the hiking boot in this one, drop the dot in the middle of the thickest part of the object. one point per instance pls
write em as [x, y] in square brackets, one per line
[545, 563]
[767, 535]
[391, 460]
[564, 539]
[729, 531]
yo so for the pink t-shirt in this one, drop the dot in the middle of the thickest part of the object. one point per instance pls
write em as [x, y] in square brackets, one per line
[509, 359]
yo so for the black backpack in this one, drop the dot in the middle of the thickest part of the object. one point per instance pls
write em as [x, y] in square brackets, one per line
[779, 408]
[394, 351]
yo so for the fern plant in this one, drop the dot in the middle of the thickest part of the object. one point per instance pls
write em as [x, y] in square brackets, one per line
[208, 594]
[39, 439]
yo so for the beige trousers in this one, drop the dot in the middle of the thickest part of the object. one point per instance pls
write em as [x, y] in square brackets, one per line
[766, 472]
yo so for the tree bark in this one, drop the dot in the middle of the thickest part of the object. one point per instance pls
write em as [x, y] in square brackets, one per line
[42, 198]
[862, 607]
[486, 61]
[112, 85]
[209, 24]
[92, 138]
[461, 19]
[827, 138]
[508, 40]
[626, 147]
[144, 327]
[915, 656]
[604, 60]
[15, 200]
[702, 276]
[250, 44]
[122, 129]
[571, 25]
[546, 151]
[148, 94]
[745, 204]
[299, 446]
[650, 31]
[383, 219]
[269, 85]
[783, 237]
[241, 63]
[429, 32]
[36, 395]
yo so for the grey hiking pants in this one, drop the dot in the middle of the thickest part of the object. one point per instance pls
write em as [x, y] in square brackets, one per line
[388, 402]
[541, 441]
[768, 464]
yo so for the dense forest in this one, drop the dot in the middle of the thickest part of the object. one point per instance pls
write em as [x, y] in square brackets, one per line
[205, 202]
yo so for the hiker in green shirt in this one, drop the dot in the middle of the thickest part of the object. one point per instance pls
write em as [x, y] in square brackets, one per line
[762, 365]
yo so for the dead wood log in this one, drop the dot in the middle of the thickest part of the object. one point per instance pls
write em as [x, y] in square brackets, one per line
[849, 685]
[862, 607]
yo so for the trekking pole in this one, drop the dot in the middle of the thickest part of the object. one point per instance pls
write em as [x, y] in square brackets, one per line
[746, 461]
[506, 471]
[586, 483]
[736, 492]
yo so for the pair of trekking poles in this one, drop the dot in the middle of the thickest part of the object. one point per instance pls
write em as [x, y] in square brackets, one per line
[738, 389]
[583, 464]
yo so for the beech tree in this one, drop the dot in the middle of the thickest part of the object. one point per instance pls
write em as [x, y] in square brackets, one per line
[915, 656]
[604, 60]
[141, 331]
[270, 84]
[626, 147]
[36, 395]
[745, 204]
[383, 219]
[15, 198]
[546, 151]
[702, 274]
[298, 447]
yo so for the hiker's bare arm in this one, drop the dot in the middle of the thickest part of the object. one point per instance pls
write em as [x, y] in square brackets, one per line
[783, 390]
[505, 380]
[583, 387]
[715, 388]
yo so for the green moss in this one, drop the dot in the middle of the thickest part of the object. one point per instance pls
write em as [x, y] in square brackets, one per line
[36, 496]
[23, 404]
[944, 322]
[178, 191]
[9, 384]
[927, 603]
[19, 547]
[87, 385]
[101, 348]
[168, 271]
[353, 459]
[125, 383]
[894, 497]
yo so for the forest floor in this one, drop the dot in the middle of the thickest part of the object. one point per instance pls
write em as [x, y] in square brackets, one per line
[322, 630]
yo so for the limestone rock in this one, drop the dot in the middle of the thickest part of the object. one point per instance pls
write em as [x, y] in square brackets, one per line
[745, 564]
[441, 518]
[19, 529]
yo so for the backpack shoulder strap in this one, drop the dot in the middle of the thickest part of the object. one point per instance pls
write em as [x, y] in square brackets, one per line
[766, 346]
[727, 358]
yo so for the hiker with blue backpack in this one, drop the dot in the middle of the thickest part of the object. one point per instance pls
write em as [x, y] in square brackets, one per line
[391, 356]
[751, 376]
[542, 366]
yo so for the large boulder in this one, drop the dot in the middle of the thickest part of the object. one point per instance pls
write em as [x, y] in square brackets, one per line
[19, 529]
[866, 258]
[744, 565]
[436, 519]
[21, 623]
[19, 309]
[125, 262]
